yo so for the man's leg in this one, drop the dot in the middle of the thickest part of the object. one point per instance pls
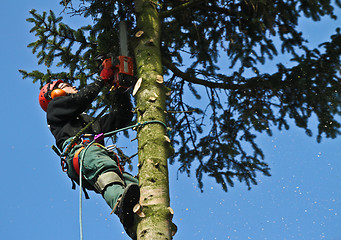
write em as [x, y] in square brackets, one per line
[102, 172]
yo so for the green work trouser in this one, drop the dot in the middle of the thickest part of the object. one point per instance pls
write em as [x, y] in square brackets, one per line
[97, 160]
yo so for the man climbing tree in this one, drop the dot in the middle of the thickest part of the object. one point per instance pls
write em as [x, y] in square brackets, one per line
[102, 171]
[242, 99]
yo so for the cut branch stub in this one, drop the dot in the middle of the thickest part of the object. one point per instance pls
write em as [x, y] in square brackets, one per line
[159, 79]
[174, 229]
[152, 99]
[139, 34]
[138, 210]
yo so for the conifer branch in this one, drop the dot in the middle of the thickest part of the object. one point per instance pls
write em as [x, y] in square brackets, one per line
[65, 36]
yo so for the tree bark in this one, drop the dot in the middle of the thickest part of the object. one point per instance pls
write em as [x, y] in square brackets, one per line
[153, 144]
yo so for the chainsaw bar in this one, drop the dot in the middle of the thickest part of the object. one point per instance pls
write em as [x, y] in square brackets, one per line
[123, 39]
[126, 76]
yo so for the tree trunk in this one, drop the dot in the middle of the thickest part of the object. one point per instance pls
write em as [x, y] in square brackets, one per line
[153, 144]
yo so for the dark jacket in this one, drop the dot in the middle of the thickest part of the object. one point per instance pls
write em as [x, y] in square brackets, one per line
[66, 117]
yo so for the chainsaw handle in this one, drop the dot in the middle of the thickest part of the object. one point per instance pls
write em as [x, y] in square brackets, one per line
[107, 63]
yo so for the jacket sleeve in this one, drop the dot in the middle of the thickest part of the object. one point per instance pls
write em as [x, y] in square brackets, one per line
[64, 108]
[120, 115]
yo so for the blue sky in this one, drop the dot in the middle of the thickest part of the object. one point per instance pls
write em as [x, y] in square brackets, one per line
[300, 201]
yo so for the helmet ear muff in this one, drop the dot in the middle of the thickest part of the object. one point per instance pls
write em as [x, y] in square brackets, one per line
[57, 93]
[45, 93]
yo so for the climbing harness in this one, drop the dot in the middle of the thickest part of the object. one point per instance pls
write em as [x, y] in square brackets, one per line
[96, 139]
[78, 156]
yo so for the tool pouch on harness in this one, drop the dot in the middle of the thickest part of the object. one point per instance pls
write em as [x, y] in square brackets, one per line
[65, 168]
[70, 165]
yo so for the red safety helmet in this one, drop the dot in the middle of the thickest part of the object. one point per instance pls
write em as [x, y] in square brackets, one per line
[45, 93]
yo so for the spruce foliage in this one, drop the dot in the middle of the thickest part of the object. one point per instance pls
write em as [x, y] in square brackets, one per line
[224, 44]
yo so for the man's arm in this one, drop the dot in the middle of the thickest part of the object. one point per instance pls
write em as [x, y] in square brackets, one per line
[64, 108]
[120, 115]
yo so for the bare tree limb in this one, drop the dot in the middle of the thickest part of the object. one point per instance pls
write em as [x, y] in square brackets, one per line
[178, 8]
[192, 3]
[194, 80]
[218, 10]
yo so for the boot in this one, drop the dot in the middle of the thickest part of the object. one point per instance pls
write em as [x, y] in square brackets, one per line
[124, 210]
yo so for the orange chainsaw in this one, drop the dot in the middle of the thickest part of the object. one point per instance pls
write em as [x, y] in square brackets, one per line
[122, 66]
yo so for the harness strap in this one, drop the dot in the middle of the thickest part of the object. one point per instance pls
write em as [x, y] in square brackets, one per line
[75, 163]
[63, 163]
[106, 179]
[118, 162]
[120, 166]
[75, 160]
[85, 193]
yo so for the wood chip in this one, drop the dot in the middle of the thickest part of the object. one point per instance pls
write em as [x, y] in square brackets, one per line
[171, 211]
[137, 86]
[167, 139]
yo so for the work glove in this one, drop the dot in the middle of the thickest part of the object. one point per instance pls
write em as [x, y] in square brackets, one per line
[107, 74]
